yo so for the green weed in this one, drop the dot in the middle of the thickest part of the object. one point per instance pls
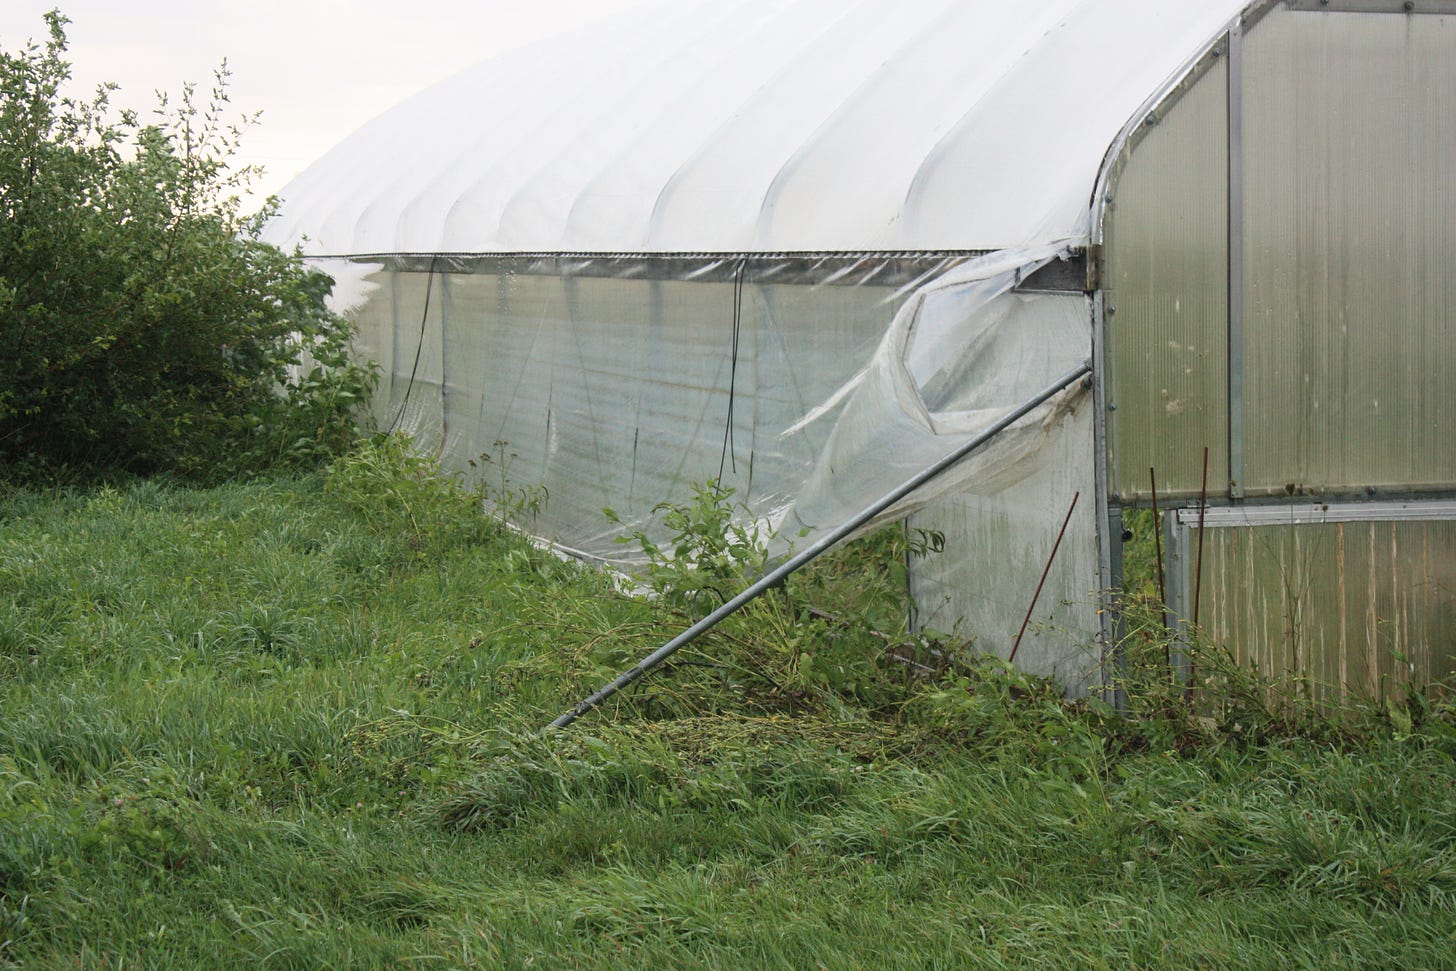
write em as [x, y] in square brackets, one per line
[831, 637]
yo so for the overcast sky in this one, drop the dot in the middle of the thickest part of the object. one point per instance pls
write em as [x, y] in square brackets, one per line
[316, 69]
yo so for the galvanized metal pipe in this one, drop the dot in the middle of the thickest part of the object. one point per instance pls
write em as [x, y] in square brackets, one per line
[815, 550]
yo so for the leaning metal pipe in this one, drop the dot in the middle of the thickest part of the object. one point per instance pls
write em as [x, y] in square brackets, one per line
[815, 550]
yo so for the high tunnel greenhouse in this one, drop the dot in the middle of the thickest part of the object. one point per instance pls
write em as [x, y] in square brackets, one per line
[809, 248]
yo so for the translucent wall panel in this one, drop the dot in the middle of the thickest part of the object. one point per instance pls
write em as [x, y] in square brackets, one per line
[788, 352]
[997, 543]
[400, 329]
[615, 384]
[924, 391]
[1350, 214]
[1355, 604]
[1167, 297]
[813, 386]
[374, 337]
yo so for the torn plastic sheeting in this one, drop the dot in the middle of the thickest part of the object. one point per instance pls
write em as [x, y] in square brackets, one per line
[573, 373]
[960, 354]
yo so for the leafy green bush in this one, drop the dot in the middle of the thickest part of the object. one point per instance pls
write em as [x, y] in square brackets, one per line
[144, 324]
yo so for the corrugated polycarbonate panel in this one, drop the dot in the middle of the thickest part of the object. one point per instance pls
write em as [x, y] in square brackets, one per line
[1355, 608]
[998, 542]
[1350, 212]
[1166, 243]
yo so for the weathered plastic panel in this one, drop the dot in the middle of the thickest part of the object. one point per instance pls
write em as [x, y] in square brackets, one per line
[374, 338]
[997, 543]
[1350, 220]
[608, 382]
[795, 377]
[1167, 257]
[1354, 607]
[400, 329]
[617, 391]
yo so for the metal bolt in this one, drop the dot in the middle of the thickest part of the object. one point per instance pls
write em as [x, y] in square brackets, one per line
[1111, 311]
[1112, 406]
[1409, 5]
[1218, 51]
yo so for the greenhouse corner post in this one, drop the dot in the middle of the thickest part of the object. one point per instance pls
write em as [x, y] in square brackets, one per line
[816, 549]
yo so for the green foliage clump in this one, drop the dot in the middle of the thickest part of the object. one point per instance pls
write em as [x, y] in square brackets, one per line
[833, 636]
[715, 550]
[144, 324]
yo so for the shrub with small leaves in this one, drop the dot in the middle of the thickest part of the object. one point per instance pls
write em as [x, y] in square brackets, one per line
[144, 324]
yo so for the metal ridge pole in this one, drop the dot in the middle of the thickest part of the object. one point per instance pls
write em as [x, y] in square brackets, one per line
[815, 550]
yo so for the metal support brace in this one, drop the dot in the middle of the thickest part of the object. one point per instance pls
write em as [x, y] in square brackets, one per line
[817, 549]
[1236, 464]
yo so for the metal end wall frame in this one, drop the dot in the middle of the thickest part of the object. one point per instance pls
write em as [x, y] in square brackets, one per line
[1228, 48]
[1109, 509]
[1225, 47]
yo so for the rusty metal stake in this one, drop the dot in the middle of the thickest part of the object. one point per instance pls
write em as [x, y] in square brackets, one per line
[1158, 539]
[1055, 546]
[1198, 567]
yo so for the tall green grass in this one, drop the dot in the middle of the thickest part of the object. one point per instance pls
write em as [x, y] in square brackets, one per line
[291, 725]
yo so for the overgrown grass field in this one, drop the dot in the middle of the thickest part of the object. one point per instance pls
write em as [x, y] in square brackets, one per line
[290, 724]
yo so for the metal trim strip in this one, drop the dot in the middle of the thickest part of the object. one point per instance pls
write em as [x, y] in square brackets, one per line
[836, 269]
[1071, 275]
[1438, 7]
[1317, 513]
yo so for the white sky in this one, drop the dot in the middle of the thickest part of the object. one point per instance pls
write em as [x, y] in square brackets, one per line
[316, 69]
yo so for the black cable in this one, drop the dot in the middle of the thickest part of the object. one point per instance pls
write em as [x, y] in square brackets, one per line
[727, 456]
[424, 318]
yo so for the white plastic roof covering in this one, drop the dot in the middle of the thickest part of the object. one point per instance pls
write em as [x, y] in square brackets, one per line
[760, 126]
